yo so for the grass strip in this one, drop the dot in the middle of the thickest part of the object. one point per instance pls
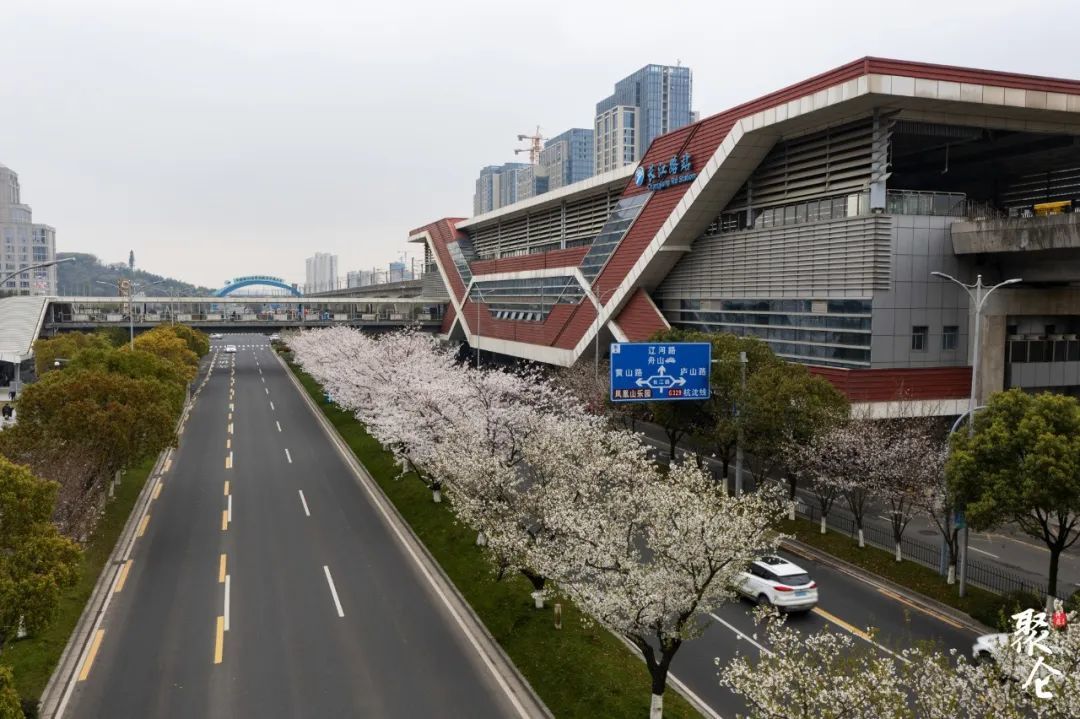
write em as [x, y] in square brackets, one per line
[987, 607]
[33, 659]
[581, 670]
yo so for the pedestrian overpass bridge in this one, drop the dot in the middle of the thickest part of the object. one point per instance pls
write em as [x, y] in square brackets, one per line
[25, 318]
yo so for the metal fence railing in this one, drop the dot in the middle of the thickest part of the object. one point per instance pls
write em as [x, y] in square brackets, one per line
[979, 573]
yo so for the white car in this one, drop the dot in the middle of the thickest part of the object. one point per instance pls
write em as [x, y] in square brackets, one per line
[216, 336]
[230, 348]
[776, 581]
[274, 337]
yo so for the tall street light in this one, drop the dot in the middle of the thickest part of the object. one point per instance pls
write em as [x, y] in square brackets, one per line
[978, 293]
[16, 273]
[130, 287]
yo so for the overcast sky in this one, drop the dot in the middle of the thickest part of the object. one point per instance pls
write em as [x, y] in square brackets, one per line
[226, 137]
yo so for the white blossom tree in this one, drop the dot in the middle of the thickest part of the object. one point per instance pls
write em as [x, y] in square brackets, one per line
[828, 675]
[647, 554]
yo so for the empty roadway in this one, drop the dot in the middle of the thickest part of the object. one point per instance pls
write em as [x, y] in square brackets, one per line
[265, 582]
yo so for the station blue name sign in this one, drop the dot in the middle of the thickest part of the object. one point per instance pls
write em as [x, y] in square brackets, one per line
[661, 175]
[655, 371]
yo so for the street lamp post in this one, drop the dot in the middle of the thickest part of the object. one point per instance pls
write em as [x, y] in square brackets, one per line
[132, 288]
[978, 293]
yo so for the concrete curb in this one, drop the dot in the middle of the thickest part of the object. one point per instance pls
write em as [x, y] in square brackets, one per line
[59, 687]
[927, 605]
[519, 689]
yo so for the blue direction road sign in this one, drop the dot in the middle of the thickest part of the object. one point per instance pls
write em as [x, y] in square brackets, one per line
[654, 371]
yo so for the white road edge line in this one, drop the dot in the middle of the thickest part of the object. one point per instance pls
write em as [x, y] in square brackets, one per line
[287, 455]
[333, 591]
[744, 636]
[304, 502]
[228, 585]
[983, 551]
[368, 485]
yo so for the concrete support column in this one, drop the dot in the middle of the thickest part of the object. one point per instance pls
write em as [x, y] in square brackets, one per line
[991, 357]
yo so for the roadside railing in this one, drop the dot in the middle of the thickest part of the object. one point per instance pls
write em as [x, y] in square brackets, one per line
[980, 573]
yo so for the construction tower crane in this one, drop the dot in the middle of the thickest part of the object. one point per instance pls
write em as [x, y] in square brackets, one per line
[534, 146]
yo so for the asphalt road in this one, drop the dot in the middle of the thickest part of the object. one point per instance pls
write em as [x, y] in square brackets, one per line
[266, 584]
[845, 605]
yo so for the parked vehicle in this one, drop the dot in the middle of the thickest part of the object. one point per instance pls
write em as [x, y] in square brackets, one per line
[230, 348]
[776, 581]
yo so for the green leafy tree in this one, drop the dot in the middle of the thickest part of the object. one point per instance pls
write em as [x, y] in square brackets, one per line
[1022, 465]
[198, 342]
[10, 707]
[137, 365]
[64, 346]
[784, 408]
[79, 426]
[36, 563]
[162, 342]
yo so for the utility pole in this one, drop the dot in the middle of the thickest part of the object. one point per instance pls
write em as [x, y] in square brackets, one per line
[978, 293]
[738, 419]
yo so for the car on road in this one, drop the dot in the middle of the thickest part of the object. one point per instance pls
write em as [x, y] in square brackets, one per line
[216, 335]
[988, 647]
[230, 348]
[776, 581]
[275, 337]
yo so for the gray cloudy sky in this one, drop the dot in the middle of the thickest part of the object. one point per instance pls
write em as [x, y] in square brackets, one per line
[227, 137]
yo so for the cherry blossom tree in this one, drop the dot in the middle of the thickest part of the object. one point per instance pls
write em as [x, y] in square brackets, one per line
[648, 554]
[825, 674]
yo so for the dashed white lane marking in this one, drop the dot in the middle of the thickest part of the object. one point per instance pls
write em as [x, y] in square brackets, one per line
[303, 501]
[333, 591]
[271, 405]
[267, 390]
[744, 636]
[230, 508]
[983, 551]
[288, 456]
[278, 425]
[228, 586]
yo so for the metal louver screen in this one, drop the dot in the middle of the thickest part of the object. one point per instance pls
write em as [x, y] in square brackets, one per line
[831, 162]
[574, 223]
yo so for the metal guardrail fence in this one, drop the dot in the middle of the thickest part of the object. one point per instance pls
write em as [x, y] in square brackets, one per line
[979, 573]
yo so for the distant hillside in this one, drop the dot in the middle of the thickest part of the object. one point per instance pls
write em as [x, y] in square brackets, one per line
[81, 278]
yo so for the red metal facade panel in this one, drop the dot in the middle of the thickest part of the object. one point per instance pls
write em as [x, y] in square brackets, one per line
[885, 385]
[639, 319]
[444, 231]
[448, 318]
[570, 257]
[584, 315]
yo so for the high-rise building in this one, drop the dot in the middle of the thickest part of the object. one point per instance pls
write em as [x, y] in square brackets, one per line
[650, 102]
[23, 243]
[321, 273]
[497, 186]
[567, 158]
